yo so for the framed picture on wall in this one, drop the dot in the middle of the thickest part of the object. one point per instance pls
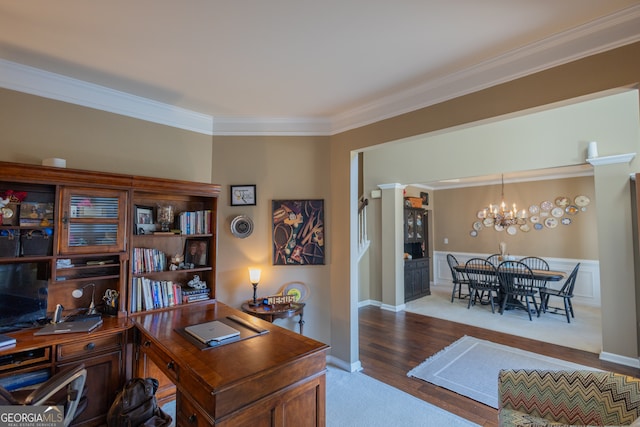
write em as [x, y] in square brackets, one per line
[425, 198]
[243, 195]
[298, 232]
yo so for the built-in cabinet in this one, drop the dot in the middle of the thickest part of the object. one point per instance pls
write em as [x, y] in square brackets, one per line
[416, 263]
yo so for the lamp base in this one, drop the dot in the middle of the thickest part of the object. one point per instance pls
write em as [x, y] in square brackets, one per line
[255, 303]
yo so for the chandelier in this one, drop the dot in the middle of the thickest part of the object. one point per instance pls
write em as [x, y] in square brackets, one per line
[503, 217]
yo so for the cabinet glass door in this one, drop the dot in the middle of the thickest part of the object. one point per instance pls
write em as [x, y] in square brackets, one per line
[92, 220]
[410, 225]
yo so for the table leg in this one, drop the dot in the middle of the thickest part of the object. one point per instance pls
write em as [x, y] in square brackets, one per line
[301, 322]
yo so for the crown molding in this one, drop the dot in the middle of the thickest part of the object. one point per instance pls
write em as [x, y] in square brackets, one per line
[34, 81]
[604, 34]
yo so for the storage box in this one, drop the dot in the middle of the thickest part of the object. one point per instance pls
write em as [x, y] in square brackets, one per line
[413, 202]
[9, 245]
[36, 242]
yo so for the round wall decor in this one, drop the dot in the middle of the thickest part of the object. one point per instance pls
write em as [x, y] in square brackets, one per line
[241, 226]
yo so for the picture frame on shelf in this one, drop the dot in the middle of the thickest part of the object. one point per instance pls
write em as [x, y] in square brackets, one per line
[144, 220]
[243, 195]
[196, 252]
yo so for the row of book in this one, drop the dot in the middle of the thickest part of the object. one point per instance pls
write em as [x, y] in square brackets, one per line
[147, 260]
[195, 222]
[153, 294]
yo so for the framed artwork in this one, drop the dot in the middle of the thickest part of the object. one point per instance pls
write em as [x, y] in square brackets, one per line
[243, 195]
[425, 198]
[298, 232]
[196, 252]
[144, 220]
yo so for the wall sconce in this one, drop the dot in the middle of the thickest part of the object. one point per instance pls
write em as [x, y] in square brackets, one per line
[254, 278]
[78, 293]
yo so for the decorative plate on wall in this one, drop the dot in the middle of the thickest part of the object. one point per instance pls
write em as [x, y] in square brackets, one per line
[241, 226]
[562, 201]
[546, 205]
[582, 200]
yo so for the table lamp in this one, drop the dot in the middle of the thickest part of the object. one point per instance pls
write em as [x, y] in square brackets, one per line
[254, 277]
[77, 293]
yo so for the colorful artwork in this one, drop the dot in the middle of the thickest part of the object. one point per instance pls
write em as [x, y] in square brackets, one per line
[298, 232]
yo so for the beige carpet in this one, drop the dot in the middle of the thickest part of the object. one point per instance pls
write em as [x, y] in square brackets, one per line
[583, 333]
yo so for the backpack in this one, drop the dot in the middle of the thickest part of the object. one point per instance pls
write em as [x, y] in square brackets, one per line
[136, 405]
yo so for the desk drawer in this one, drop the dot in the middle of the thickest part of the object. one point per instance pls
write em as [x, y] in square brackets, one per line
[89, 346]
[188, 413]
[162, 360]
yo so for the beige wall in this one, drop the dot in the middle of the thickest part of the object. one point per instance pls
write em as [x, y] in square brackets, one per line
[615, 69]
[34, 128]
[455, 211]
[281, 168]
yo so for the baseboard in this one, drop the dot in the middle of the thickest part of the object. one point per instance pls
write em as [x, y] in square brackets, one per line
[634, 362]
[394, 308]
[369, 302]
[349, 367]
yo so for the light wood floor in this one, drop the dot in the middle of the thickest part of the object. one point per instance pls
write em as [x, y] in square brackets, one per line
[391, 344]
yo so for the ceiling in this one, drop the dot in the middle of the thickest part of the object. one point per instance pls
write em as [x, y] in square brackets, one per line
[291, 67]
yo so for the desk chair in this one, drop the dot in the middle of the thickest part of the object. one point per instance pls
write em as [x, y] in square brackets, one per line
[64, 388]
[566, 293]
[458, 278]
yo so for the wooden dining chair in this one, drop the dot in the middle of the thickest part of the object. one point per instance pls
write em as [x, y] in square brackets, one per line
[517, 285]
[494, 259]
[459, 279]
[536, 263]
[482, 281]
[566, 293]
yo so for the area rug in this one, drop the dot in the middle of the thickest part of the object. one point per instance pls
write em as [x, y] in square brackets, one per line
[470, 367]
[355, 399]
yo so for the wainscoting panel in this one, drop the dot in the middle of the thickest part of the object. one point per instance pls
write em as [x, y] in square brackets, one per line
[586, 291]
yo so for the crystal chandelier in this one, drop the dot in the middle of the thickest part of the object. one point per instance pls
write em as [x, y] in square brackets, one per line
[502, 216]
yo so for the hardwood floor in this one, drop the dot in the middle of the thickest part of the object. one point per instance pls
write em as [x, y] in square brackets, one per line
[391, 344]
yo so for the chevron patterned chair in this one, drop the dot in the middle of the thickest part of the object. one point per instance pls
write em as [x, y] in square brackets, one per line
[552, 398]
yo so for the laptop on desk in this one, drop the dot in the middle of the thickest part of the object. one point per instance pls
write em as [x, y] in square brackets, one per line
[212, 332]
[70, 327]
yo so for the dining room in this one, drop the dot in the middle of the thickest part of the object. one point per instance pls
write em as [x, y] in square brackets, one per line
[541, 141]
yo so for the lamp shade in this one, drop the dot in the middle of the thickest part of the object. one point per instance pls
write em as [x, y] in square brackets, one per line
[254, 275]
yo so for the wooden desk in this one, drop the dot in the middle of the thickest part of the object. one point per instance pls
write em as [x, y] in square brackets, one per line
[272, 312]
[275, 379]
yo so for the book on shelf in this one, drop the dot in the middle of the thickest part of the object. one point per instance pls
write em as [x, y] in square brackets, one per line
[195, 222]
[153, 294]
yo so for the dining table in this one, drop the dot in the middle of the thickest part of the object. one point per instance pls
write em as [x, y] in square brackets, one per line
[542, 275]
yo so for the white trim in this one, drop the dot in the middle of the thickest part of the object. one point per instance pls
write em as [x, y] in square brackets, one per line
[611, 160]
[353, 367]
[55, 86]
[621, 360]
[394, 308]
[606, 33]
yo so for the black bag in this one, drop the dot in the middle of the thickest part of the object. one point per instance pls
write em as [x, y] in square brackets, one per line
[136, 405]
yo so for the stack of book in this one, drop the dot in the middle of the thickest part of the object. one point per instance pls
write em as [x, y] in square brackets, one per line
[148, 260]
[195, 222]
[193, 295]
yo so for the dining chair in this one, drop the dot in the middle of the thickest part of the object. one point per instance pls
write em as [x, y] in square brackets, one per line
[565, 292]
[494, 259]
[459, 278]
[537, 263]
[482, 281]
[517, 285]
